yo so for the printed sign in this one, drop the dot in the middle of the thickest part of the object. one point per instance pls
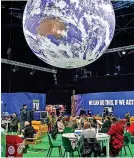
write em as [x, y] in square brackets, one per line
[36, 104]
[11, 150]
[20, 149]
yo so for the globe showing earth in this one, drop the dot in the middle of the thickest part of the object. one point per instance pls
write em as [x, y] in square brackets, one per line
[68, 33]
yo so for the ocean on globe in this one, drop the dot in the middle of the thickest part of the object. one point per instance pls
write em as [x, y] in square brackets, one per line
[68, 33]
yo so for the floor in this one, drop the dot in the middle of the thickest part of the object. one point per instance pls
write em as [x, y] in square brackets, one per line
[45, 146]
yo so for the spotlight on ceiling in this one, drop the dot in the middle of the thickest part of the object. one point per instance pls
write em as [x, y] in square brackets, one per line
[32, 72]
[15, 69]
[107, 74]
[123, 52]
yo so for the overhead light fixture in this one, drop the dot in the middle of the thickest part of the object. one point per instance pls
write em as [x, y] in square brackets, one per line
[123, 52]
[107, 75]
[15, 69]
[115, 73]
[32, 72]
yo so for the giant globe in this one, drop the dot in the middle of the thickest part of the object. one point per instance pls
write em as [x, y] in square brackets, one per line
[68, 33]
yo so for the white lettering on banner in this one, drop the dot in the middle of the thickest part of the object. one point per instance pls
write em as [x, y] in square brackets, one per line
[94, 102]
[36, 106]
[130, 102]
[116, 102]
[121, 102]
[109, 102]
[102, 102]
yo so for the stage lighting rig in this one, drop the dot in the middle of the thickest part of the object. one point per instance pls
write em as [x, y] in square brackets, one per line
[28, 66]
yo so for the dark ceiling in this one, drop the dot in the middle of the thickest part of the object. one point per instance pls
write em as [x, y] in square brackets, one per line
[43, 82]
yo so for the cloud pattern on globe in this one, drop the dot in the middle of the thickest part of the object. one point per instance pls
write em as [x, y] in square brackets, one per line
[68, 33]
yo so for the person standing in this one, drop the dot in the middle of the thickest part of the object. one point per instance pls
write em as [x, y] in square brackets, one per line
[60, 125]
[14, 123]
[23, 117]
[30, 115]
[89, 113]
[127, 116]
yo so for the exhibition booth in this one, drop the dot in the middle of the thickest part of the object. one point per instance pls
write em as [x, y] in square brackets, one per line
[118, 103]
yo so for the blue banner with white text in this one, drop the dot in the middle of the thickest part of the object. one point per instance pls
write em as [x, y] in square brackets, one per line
[13, 102]
[121, 102]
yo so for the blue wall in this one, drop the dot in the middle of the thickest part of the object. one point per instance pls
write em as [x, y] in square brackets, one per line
[14, 101]
[122, 102]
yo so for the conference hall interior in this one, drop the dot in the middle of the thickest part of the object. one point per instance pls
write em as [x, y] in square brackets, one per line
[67, 78]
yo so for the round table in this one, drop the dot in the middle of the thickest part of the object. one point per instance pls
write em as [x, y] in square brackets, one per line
[100, 137]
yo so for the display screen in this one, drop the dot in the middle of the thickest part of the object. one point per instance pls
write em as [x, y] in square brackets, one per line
[43, 114]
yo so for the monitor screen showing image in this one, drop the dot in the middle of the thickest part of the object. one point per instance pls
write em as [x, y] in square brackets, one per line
[43, 114]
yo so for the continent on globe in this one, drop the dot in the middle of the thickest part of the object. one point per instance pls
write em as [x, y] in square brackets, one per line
[69, 33]
[51, 26]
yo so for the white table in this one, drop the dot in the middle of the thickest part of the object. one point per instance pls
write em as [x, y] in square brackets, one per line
[99, 136]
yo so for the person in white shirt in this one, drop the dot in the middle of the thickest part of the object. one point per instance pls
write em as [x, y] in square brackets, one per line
[88, 131]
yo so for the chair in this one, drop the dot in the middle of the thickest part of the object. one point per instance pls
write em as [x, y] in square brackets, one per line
[68, 130]
[127, 139]
[37, 125]
[68, 147]
[53, 145]
[33, 141]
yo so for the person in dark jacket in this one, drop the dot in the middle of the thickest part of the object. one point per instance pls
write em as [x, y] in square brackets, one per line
[106, 125]
[30, 115]
[127, 116]
[14, 123]
[23, 116]
[28, 131]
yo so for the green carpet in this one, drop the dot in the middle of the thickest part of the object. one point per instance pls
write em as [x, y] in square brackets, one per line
[45, 146]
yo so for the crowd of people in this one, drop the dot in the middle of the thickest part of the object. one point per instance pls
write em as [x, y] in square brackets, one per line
[88, 125]
[111, 126]
[14, 120]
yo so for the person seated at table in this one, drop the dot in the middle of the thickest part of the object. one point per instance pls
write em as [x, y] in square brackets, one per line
[29, 131]
[116, 142]
[89, 131]
[72, 124]
[94, 123]
[106, 125]
[90, 144]
[60, 125]
[81, 121]
[14, 123]
[28, 134]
